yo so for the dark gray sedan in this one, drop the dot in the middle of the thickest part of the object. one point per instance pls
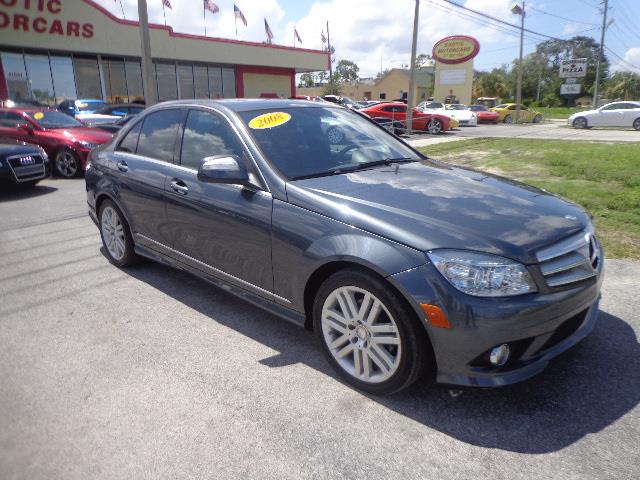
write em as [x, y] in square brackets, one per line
[403, 266]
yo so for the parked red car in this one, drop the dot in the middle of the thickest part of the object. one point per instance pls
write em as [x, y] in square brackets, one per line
[484, 114]
[65, 140]
[431, 122]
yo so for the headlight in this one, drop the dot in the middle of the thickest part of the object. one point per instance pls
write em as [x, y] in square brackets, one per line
[482, 275]
[86, 144]
[43, 154]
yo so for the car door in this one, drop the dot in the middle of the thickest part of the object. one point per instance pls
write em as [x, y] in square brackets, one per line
[607, 116]
[221, 229]
[629, 114]
[140, 166]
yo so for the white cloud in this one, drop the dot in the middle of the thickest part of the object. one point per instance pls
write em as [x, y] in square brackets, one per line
[365, 31]
[631, 62]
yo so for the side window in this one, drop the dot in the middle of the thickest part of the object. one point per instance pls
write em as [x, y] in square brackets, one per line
[206, 135]
[401, 108]
[615, 106]
[9, 119]
[388, 109]
[129, 143]
[158, 135]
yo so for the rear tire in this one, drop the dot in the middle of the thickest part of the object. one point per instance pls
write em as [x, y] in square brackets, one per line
[115, 234]
[371, 338]
[508, 119]
[434, 127]
[537, 119]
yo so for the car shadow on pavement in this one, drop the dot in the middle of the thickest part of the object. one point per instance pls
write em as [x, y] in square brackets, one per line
[581, 392]
[16, 192]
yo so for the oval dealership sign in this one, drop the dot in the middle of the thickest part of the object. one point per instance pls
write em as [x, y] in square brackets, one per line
[456, 49]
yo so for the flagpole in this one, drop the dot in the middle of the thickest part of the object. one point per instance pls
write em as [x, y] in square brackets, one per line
[235, 22]
[294, 36]
[330, 59]
[204, 18]
[164, 15]
[122, 8]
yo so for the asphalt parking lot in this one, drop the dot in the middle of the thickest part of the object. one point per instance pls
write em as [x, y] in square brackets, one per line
[551, 130]
[150, 373]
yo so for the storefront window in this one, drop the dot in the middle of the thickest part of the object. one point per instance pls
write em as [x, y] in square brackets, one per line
[215, 82]
[166, 79]
[87, 78]
[115, 81]
[200, 81]
[134, 81]
[39, 74]
[185, 76]
[228, 83]
[16, 76]
[64, 83]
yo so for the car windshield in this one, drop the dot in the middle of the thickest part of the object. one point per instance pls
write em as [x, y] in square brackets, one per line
[478, 108]
[433, 105]
[89, 107]
[309, 142]
[455, 106]
[53, 119]
[502, 105]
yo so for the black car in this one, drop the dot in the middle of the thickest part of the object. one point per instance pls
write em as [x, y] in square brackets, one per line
[400, 264]
[22, 164]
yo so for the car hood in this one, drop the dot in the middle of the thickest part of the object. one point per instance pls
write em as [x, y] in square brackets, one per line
[460, 114]
[86, 134]
[428, 205]
[8, 148]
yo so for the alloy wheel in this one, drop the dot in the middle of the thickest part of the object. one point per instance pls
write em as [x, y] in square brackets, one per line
[636, 124]
[113, 233]
[508, 119]
[361, 334]
[66, 164]
[434, 127]
[580, 123]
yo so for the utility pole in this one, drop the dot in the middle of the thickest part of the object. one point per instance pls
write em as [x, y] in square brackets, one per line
[600, 53]
[516, 9]
[330, 56]
[148, 79]
[412, 71]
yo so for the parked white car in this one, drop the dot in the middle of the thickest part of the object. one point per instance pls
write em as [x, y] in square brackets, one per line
[464, 116]
[615, 114]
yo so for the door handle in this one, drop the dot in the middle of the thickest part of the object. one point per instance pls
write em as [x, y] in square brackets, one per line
[122, 166]
[179, 186]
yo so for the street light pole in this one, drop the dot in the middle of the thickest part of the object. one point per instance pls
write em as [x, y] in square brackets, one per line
[412, 71]
[600, 54]
[148, 80]
[516, 9]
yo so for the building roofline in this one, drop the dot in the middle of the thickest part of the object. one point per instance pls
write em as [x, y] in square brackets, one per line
[172, 33]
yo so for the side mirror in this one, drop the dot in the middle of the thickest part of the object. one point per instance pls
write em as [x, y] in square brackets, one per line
[223, 169]
[25, 127]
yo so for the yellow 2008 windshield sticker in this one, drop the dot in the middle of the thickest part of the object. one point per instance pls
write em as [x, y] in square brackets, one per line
[38, 115]
[269, 120]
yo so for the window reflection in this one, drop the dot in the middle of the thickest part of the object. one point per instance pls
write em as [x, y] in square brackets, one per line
[185, 77]
[115, 81]
[228, 83]
[206, 135]
[39, 74]
[16, 76]
[200, 82]
[134, 81]
[87, 77]
[158, 135]
[64, 82]
[215, 82]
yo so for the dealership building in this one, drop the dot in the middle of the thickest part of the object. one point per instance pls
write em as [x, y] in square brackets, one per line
[52, 50]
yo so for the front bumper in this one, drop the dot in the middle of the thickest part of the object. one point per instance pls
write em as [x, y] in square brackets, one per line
[537, 327]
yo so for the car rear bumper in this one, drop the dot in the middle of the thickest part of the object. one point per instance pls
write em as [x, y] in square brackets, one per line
[537, 327]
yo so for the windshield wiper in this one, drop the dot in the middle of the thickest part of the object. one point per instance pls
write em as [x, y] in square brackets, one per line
[355, 168]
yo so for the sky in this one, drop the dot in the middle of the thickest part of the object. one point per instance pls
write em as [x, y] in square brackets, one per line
[376, 34]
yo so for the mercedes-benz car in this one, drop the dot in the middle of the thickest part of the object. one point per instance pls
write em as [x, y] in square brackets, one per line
[614, 114]
[403, 266]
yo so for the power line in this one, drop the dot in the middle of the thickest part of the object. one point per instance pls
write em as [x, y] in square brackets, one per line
[560, 17]
[622, 59]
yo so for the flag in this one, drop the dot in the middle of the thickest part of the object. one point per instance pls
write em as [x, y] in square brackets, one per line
[268, 31]
[167, 4]
[212, 7]
[323, 38]
[238, 13]
[295, 32]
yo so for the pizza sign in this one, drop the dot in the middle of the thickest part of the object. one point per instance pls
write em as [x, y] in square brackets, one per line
[456, 49]
[573, 68]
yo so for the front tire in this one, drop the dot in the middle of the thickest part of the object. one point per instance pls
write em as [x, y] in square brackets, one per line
[67, 163]
[368, 334]
[636, 124]
[580, 123]
[508, 119]
[537, 119]
[115, 235]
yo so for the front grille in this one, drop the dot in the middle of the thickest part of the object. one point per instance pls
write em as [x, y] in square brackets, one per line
[571, 260]
[27, 167]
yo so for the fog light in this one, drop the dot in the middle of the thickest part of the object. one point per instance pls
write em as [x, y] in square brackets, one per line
[499, 355]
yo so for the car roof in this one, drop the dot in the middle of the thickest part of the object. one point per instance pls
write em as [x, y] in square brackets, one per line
[27, 109]
[247, 104]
